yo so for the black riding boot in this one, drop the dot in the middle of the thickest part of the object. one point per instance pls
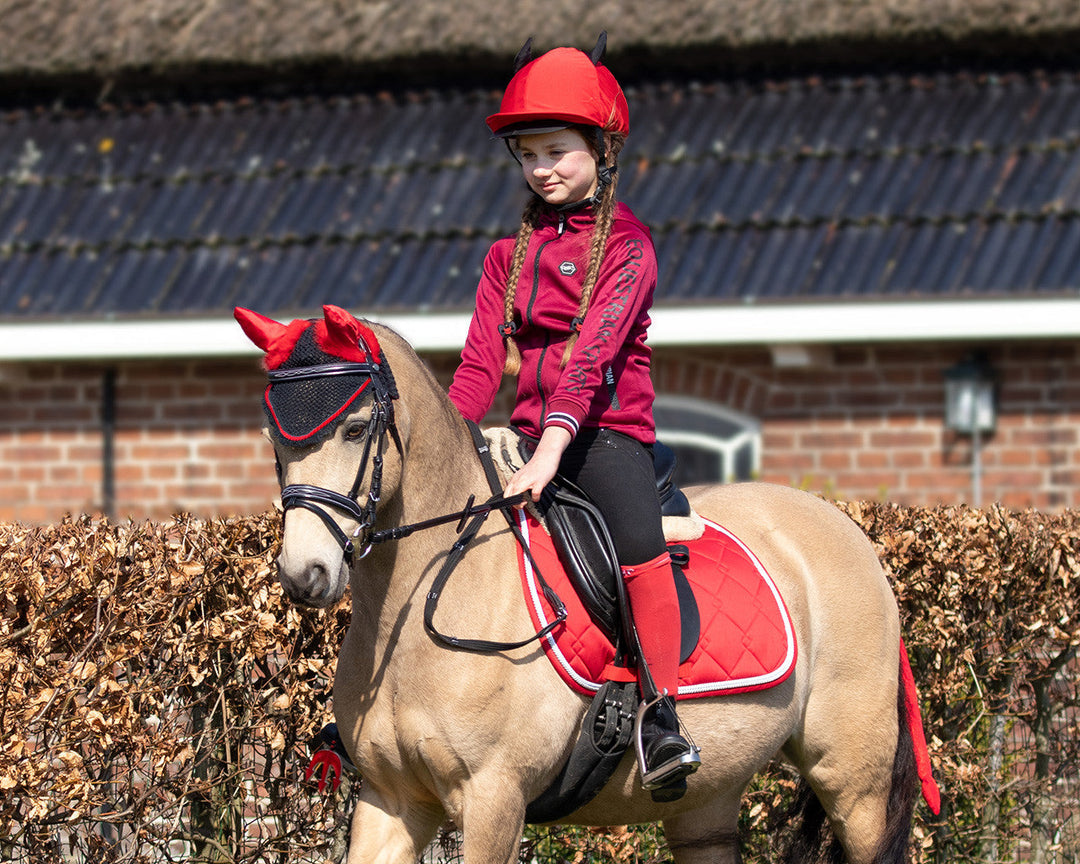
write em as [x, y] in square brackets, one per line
[669, 757]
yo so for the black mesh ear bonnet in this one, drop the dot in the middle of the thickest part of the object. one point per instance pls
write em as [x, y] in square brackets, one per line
[319, 370]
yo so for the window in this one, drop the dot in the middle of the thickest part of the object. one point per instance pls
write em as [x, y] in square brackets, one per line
[713, 444]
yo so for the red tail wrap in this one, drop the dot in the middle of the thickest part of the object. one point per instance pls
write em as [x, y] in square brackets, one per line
[931, 792]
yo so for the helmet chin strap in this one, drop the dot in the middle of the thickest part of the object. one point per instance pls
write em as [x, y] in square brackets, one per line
[605, 174]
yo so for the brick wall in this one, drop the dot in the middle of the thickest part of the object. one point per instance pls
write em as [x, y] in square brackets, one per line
[859, 422]
[187, 437]
[866, 422]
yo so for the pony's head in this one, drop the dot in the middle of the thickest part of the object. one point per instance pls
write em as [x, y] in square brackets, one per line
[329, 406]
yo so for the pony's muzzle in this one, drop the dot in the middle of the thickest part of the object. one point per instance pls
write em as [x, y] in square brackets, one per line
[316, 584]
[313, 574]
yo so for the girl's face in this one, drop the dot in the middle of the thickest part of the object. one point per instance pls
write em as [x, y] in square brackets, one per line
[559, 166]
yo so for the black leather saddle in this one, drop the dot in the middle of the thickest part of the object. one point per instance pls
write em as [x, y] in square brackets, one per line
[585, 548]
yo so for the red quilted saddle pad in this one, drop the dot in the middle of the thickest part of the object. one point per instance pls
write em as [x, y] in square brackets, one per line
[747, 640]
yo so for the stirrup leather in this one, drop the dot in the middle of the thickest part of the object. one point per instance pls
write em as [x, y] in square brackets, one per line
[673, 770]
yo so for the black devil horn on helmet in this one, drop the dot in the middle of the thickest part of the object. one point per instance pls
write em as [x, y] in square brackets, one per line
[524, 56]
[598, 51]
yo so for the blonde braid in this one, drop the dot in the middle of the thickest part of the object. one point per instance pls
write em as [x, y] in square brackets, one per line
[605, 219]
[517, 262]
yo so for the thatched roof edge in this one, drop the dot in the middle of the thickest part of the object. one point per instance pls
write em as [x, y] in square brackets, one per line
[42, 39]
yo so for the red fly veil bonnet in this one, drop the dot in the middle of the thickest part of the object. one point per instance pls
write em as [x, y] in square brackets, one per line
[318, 370]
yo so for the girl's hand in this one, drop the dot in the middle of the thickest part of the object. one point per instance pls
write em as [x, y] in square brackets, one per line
[539, 471]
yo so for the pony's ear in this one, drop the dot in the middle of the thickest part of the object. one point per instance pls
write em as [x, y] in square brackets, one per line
[344, 333]
[338, 319]
[600, 49]
[258, 328]
[524, 56]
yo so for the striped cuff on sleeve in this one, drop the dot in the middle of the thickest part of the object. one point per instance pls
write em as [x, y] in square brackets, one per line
[561, 418]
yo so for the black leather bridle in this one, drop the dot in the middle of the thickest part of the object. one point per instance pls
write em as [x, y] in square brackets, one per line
[380, 426]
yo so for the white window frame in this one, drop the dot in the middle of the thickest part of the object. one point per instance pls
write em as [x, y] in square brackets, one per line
[750, 432]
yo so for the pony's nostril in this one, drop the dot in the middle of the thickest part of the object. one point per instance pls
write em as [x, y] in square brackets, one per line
[317, 580]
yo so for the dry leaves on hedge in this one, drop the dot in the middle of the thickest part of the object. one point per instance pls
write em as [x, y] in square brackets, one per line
[134, 656]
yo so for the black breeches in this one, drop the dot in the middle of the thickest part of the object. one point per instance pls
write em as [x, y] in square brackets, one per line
[616, 472]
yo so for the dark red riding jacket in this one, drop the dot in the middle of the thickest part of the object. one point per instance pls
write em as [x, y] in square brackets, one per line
[607, 381]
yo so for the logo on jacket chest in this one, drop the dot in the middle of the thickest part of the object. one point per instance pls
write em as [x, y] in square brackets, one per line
[568, 268]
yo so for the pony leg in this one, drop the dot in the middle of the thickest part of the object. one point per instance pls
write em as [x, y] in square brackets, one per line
[708, 835]
[379, 835]
[862, 777]
[491, 822]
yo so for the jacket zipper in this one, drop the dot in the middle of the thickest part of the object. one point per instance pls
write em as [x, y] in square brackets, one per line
[536, 269]
[528, 314]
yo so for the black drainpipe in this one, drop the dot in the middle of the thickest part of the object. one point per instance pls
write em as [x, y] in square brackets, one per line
[108, 444]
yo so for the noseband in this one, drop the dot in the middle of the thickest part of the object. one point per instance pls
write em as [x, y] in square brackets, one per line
[316, 498]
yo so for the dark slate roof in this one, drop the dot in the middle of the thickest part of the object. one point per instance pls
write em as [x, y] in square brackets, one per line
[948, 185]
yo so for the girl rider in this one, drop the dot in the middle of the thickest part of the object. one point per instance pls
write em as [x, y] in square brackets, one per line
[564, 306]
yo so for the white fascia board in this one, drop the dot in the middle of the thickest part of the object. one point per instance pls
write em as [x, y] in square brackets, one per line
[806, 324]
[834, 323]
[187, 338]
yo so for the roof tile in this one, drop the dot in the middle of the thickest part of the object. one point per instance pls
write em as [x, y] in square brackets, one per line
[807, 189]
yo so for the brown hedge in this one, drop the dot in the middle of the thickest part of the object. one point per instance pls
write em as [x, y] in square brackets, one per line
[157, 695]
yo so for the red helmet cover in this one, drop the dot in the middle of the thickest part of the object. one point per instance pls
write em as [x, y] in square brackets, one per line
[565, 85]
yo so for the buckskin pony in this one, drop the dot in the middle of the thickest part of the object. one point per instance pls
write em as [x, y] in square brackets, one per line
[439, 732]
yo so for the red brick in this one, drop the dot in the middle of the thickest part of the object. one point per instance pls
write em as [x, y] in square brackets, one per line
[73, 495]
[868, 480]
[782, 462]
[160, 452]
[889, 440]
[192, 390]
[831, 440]
[260, 493]
[182, 491]
[26, 453]
[16, 412]
[872, 459]
[32, 512]
[228, 470]
[64, 472]
[130, 472]
[836, 460]
[196, 470]
[907, 459]
[225, 451]
[191, 412]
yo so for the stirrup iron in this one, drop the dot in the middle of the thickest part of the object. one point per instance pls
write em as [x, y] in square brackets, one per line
[669, 772]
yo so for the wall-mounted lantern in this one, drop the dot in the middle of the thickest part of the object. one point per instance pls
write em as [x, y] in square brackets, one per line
[971, 409]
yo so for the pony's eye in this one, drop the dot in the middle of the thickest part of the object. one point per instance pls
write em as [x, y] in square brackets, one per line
[355, 430]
